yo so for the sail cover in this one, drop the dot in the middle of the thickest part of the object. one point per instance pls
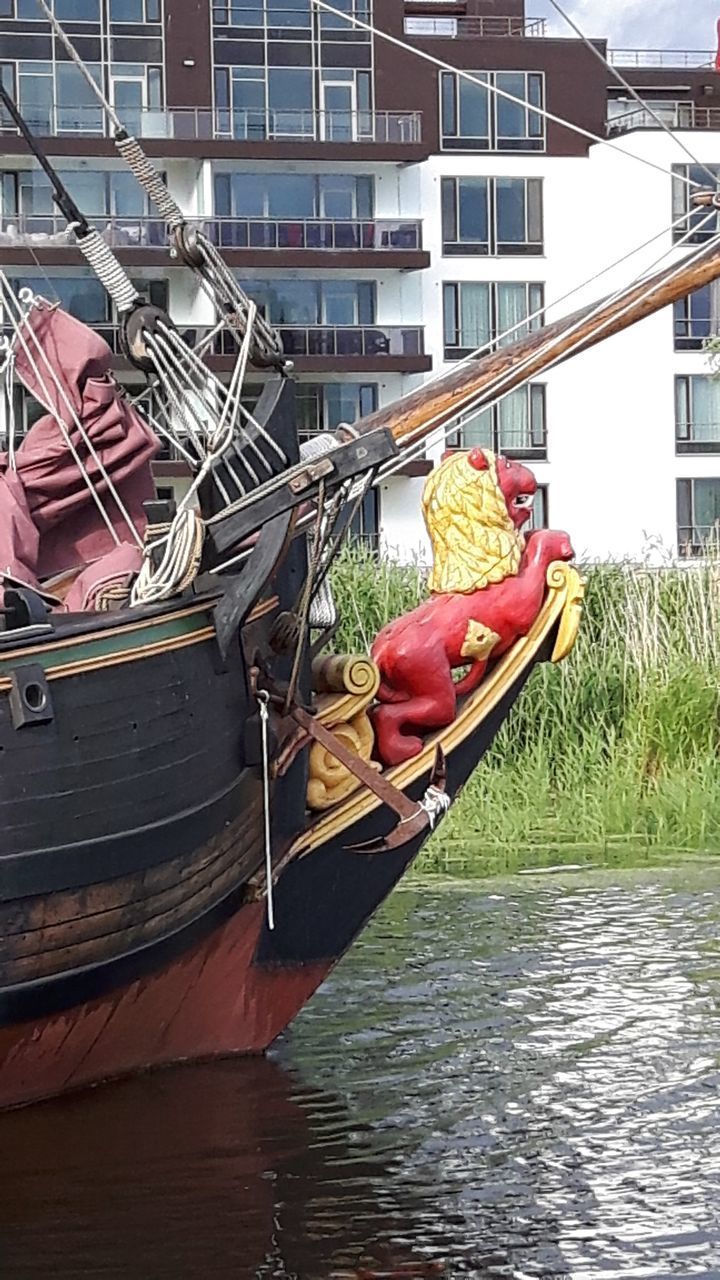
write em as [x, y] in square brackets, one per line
[66, 367]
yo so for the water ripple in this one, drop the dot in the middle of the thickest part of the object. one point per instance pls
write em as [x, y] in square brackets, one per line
[515, 1080]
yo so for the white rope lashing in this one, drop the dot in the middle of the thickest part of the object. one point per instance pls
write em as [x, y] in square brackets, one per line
[262, 700]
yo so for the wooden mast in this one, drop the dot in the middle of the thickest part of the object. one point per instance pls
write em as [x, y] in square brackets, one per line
[422, 411]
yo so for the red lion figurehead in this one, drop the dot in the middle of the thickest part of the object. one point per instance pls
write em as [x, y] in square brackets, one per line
[517, 483]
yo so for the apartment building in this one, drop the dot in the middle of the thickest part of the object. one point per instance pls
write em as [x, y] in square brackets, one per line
[390, 217]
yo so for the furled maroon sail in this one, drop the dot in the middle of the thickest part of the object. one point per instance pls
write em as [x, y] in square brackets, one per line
[63, 363]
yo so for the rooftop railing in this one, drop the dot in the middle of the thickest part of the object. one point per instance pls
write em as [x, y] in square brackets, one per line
[474, 28]
[204, 124]
[661, 58]
[382, 235]
[676, 115]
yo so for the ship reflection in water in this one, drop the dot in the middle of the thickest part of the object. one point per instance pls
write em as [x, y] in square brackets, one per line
[515, 1080]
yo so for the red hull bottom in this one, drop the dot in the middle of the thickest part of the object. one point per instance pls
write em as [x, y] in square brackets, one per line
[211, 1001]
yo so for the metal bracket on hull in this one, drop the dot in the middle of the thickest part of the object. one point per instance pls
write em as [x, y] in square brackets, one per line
[415, 816]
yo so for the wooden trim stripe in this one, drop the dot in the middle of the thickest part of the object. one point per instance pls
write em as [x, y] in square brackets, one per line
[109, 648]
[473, 712]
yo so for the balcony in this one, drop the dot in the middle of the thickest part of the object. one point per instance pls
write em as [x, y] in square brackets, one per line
[358, 348]
[661, 58]
[400, 348]
[676, 115]
[205, 124]
[474, 28]
[245, 241]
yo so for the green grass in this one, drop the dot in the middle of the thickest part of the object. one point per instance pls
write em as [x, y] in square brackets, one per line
[610, 756]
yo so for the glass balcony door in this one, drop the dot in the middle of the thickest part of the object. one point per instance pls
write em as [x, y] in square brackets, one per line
[338, 104]
[129, 98]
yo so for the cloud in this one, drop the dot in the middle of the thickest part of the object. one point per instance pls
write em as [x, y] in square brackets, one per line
[664, 24]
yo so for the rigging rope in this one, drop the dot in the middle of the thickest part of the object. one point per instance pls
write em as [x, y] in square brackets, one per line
[549, 306]
[444, 428]
[609, 66]
[500, 93]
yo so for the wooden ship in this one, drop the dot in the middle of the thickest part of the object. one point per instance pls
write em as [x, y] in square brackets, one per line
[202, 805]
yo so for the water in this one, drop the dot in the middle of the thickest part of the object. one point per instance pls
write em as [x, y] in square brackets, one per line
[509, 1079]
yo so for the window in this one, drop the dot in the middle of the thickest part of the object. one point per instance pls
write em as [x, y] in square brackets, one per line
[697, 318]
[135, 11]
[240, 102]
[285, 14]
[26, 194]
[698, 516]
[365, 524]
[682, 206]
[516, 426]
[77, 108]
[7, 80]
[82, 296]
[474, 117]
[496, 216]
[539, 518]
[258, 102]
[77, 10]
[315, 302]
[322, 407]
[482, 314]
[697, 415]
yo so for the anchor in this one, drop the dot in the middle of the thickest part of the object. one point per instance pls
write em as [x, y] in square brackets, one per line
[414, 816]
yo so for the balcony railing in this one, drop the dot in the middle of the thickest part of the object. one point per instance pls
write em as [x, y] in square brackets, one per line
[474, 28]
[342, 341]
[339, 235]
[661, 58]
[192, 124]
[379, 341]
[676, 115]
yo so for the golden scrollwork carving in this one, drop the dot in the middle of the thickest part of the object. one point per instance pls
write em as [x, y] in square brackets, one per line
[564, 580]
[346, 685]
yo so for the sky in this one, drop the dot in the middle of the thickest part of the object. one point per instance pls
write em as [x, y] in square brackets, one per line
[637, 24]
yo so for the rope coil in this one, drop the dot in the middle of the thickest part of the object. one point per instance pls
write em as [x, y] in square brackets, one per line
[108, 270]
[149, 179]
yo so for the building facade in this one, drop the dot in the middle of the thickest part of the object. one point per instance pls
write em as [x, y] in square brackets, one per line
[390, 217]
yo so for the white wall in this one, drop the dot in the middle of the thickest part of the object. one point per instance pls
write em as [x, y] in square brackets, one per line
[612, 464]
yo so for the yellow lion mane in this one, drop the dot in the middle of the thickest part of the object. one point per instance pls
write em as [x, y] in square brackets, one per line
[473, 539]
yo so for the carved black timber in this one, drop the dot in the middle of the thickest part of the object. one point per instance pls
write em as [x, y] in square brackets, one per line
[344, 463]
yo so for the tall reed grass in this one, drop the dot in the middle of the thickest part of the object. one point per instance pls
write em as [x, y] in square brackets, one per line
[612, 753]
